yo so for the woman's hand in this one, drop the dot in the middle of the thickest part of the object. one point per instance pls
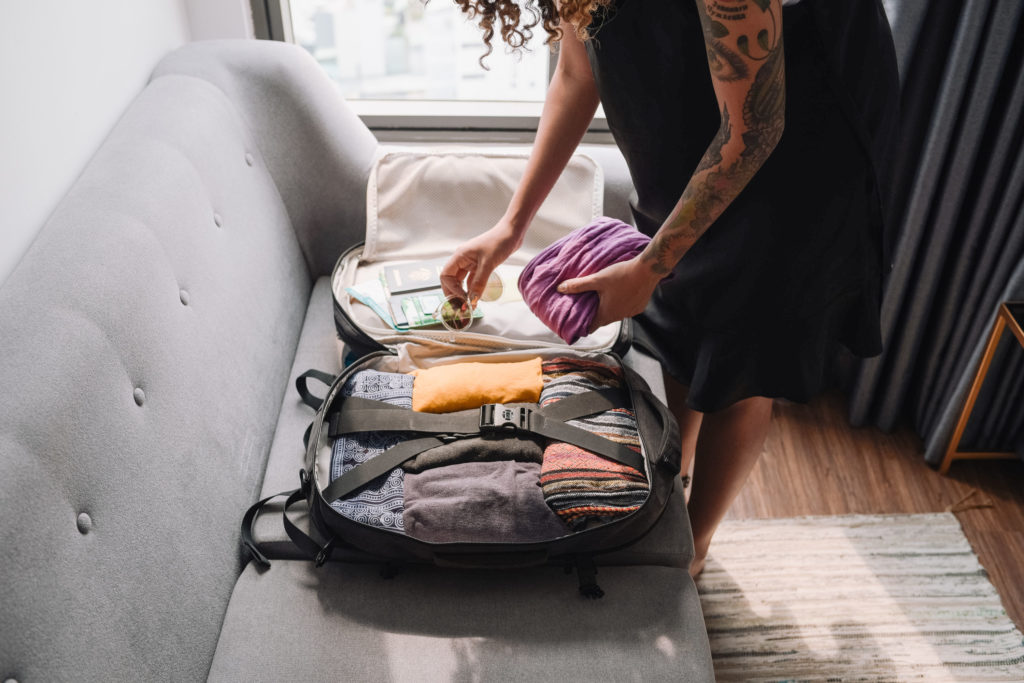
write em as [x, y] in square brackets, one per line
[623, 290]
[477, 258]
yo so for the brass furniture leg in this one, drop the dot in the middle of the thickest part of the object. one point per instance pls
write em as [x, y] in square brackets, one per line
[1009, 316]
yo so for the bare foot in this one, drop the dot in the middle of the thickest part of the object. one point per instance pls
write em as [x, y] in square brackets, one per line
[697, 566]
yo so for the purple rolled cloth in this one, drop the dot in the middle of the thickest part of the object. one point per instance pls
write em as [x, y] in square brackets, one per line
[583, 251]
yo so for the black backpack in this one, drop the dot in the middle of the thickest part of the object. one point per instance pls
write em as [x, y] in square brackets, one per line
[371, 345]
[338, 415]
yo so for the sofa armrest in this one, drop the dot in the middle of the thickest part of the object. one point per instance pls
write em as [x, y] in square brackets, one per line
[317, 150]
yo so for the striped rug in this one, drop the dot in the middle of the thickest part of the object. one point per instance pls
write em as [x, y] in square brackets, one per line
[854, 598]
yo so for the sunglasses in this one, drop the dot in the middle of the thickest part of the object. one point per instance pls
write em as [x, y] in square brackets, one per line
[456, 312]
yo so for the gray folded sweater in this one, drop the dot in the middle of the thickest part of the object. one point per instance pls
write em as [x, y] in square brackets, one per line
[479, 502]
[522, 448]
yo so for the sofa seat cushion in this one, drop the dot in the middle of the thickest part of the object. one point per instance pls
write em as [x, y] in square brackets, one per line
[344, 622]
[317, 349]
[668, 544]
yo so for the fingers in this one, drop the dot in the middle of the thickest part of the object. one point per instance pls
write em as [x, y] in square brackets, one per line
[453, 274]
[452, 284]
[478, 281]
[587, 283]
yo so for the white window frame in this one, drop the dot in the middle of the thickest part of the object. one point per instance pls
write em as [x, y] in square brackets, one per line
[432, 120]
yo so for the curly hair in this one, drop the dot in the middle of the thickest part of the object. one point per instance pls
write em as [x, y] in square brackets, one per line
[516, 32]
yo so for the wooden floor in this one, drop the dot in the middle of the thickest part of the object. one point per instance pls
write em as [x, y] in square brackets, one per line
[815, 463]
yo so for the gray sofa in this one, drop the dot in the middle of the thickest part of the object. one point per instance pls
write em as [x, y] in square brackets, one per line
[148, 344]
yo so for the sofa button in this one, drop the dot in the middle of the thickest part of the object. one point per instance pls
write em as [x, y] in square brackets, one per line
[140, 396]
[248, 159]
[217, 220]
[183, 295]
[84, 523]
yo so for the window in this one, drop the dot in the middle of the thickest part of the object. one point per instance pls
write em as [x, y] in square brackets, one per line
[413, 67]
[408, 49]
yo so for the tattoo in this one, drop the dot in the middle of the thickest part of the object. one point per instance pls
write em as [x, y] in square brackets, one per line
[730, 11]
[715, 30]
[725, 64]
[765, 40]
[713, 157]
[716, 182]
[764, 108]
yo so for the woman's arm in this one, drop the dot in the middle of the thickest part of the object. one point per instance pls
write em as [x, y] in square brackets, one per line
[745, 53]
[569, 107]
[744, 47]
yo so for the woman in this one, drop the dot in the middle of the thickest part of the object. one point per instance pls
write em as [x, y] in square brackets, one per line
[756, 138]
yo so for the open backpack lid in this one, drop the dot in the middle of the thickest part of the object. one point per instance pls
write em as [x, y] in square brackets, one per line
[423, 202]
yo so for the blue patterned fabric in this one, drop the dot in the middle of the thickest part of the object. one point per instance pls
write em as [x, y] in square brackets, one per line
[379, 503]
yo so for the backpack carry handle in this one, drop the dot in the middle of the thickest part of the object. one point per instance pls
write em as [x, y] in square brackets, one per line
[670, 441]
[302, 541]
[302, 386]
[249, 521]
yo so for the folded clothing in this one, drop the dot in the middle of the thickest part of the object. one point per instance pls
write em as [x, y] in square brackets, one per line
[566, 376]
[378, 503]
[479, 502]
[580, 486]
[463, 386]
[584, 251]
[521, 448]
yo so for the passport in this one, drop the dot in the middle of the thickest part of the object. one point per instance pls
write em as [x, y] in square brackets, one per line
[412, 277]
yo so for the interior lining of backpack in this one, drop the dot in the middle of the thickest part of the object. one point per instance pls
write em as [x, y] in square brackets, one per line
[504, 325]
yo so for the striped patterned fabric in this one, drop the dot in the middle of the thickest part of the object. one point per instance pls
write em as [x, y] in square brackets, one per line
[580, 486]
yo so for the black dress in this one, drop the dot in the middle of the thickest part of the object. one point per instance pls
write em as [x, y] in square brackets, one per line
[794, 265]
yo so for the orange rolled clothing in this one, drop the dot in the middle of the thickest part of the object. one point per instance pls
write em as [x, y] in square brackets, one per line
[463, 386]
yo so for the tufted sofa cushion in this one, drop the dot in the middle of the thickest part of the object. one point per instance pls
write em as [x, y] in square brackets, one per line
[145, 344]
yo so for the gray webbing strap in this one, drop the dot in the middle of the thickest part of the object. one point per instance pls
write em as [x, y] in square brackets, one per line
[366, 472]
[583, 404]
[362, 415]
[595, 443]
[356, 416]
[365, 415]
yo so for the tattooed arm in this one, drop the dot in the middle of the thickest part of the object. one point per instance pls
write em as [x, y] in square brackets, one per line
[745, 54]
[744, 45]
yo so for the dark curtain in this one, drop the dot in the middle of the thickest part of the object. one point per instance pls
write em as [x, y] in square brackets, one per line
[956, 208]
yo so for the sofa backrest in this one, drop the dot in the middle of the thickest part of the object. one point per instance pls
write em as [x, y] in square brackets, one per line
[145, 344]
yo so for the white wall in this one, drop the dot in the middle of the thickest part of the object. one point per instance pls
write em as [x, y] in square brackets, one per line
[68, 69]
[219, 19]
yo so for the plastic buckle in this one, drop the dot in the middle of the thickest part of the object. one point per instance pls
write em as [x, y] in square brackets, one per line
[324, 554]
[498, 417]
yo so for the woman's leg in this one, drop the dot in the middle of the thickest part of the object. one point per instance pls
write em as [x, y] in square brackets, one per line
[728, 445]
[689, 425]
